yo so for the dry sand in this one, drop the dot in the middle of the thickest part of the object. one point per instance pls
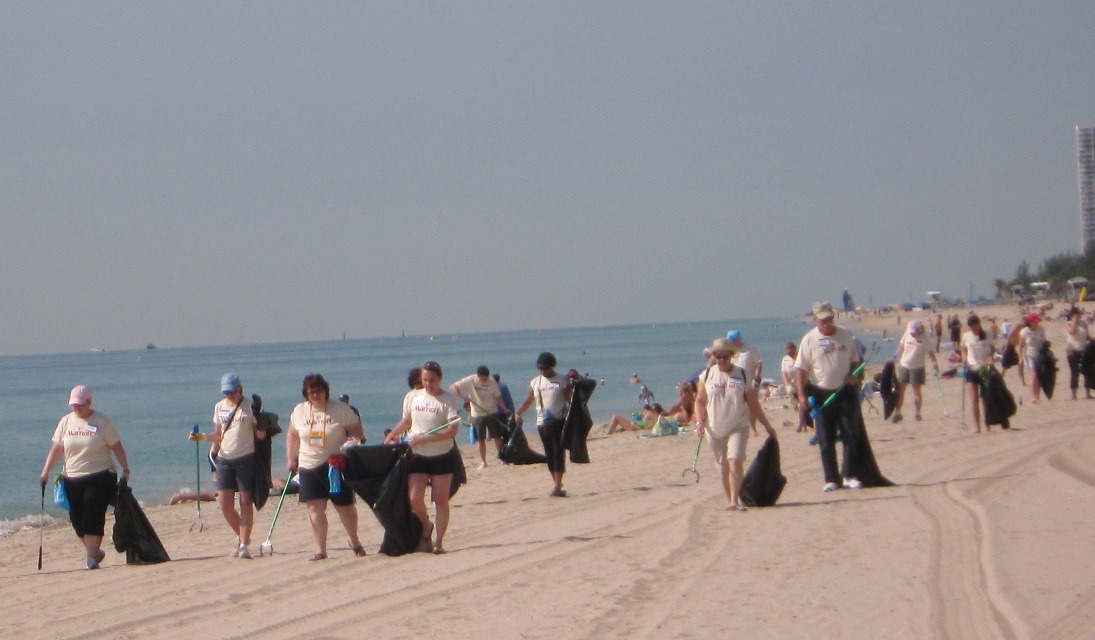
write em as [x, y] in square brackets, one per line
[984, 536]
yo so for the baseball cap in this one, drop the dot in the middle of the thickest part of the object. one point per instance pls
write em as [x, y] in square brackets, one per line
[733, 334]
[823, 310]
[344, 398]
[230, 383]
[79, 395]
[1034, 318]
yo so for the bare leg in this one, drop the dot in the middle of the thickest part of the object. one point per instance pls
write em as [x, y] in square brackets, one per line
[317, 517]
[737, 474]
[439, 492]
[975, 406]
[918, 398]
[226, 498]
[416, 494]
[348, 515]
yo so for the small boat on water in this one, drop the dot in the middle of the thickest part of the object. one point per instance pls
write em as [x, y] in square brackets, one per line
[97, 350]
[150, 346]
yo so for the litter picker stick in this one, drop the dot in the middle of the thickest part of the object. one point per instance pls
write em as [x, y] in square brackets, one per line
[695, 459]
[268, 546]
[964, 391]
[815, 410]
[198, 482]
[942, 401]
[41, 526]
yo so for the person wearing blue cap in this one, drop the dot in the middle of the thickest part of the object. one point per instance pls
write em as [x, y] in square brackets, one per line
[748, 358]
[233, 439]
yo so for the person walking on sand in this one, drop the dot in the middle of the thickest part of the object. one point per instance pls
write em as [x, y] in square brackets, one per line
[85, 439]
[725, 402]
[1031, 339]
[483, 399]
[318, 427]
[913, 350]
[977, 353]
[234, 434]
[1075, 345]
[424, 411]
[826, 359]
[552, 393]
[937, 328]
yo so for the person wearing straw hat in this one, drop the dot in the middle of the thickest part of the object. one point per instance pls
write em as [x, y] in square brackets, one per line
[725, 402]
[827, 356]
[86, 439]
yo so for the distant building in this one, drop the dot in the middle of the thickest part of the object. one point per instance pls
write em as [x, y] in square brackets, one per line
[1085, 149]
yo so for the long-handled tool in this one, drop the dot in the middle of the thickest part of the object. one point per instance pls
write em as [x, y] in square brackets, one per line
[268, 546]
[41, 526]
[817, 409]
[962, 374]
[695, 459]
[198, 491]
[939, 388]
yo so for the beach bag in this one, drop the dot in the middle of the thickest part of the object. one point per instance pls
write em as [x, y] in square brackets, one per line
[664, 427]
[60, 496]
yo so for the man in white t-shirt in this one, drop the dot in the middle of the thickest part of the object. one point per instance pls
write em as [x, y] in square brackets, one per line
[826, 358]
[483, 399]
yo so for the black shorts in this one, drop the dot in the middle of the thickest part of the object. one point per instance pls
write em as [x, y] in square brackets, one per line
[432, 465]
[88, 498]
[237, 474]
[491, 424]
[314, 485]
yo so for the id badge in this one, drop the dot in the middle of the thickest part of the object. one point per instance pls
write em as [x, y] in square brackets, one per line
[317, 436]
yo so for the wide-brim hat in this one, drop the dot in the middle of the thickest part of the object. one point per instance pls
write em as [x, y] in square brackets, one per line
[722, 345]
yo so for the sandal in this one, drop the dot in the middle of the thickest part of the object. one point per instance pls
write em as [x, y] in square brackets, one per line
[318, 556]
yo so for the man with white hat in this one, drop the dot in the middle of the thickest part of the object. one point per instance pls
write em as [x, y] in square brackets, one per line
[826, 358]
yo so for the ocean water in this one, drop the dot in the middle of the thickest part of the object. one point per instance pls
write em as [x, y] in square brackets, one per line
[156, 396]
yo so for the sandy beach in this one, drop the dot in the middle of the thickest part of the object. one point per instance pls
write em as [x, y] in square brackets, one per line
[983, 536]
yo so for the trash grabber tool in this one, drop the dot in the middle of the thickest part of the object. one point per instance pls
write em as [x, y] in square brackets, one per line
[198, 482]
[815, 410]
[268, 546]
[41, 526]
[942, 401]
[695, 459]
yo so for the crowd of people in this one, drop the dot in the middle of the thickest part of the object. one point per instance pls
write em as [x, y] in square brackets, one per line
[820, 374]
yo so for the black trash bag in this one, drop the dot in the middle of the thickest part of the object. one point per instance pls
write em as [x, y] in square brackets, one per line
[1047, 369]
[578, 421]
[378, 474]
[887, 387]
[1010, 357]
[999, 404]
[515, 449]
[133, 533]
[1087, 365]
[764, 481]
[268, 423]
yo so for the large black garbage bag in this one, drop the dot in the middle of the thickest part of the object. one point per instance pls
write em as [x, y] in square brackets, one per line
[1087, 365]
[378, 474]
[133, 533]
[1047, 369]
[515, 449]
[999, 404]
[887, 387]
[859, 461]
[764, 481]
[268, 423]
[578, 421]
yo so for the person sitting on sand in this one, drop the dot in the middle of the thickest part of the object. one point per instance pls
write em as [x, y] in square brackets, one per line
[650, 415]
[685, 407]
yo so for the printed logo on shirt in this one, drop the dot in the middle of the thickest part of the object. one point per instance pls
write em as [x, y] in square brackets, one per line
[83, 432]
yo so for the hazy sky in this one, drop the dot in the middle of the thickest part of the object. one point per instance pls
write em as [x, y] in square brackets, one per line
[202, 173]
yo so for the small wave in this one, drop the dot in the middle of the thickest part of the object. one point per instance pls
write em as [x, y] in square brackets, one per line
[26, 523]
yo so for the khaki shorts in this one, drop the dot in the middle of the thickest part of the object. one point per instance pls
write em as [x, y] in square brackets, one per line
[915, 376]
[728, 447]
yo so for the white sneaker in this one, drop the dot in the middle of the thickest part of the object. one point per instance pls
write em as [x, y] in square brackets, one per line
[853, 483]
[832, 486]
[245, 553]
[236, 550]
[482, 465]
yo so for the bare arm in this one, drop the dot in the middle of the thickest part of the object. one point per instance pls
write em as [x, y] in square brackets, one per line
[52, 456]
[119, 453]
[292, 448]
[757, 411]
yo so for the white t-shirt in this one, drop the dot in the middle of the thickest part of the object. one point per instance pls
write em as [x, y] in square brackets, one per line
[826, 359]
[915, 350]
[322, 433]
[1035, 338]
[727, 410]
[1078, 340]
[238, 439]
[550, 394]
[484, 395]
[87, 443]
[427, 413]
[748, 359]
[979, 352]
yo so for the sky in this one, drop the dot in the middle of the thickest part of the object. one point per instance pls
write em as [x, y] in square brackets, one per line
[203, 173]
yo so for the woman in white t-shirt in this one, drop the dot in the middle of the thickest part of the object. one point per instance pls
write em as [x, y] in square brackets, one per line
[1031, 340]
[430, 416]
[86, 439]
[1075, 346]
[552, 393]
[977, 354]
[724, 403]
[913, 350]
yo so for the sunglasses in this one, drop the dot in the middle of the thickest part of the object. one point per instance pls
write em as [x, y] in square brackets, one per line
[722, 356]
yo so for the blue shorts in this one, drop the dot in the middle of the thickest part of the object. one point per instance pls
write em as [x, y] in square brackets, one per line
[237, 474]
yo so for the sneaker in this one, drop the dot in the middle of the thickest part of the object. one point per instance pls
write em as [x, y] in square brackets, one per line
[832, 486]
[482, 465]
[244, 552]
[897, 417]
[236, 549]
[93, 563]
[853, 483]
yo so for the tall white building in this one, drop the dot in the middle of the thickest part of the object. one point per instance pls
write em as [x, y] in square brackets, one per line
[1085, 149]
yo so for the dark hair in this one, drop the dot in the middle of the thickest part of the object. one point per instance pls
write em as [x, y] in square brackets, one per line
[433, 367]
[497, 378]
[414, 377]
[545, 359]
[315, 381]
[974, 320]
[482, 370]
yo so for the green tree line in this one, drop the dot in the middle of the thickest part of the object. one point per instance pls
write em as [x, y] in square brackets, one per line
[1056, 270]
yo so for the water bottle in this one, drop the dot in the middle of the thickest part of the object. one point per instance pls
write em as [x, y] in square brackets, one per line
[471, 435]
[334, 477]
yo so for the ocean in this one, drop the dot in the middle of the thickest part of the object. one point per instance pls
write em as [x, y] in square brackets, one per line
[155, 396]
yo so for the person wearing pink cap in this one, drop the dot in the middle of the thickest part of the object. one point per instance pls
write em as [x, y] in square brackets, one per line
[913, 350]
[1031, 339]
[85, 439]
